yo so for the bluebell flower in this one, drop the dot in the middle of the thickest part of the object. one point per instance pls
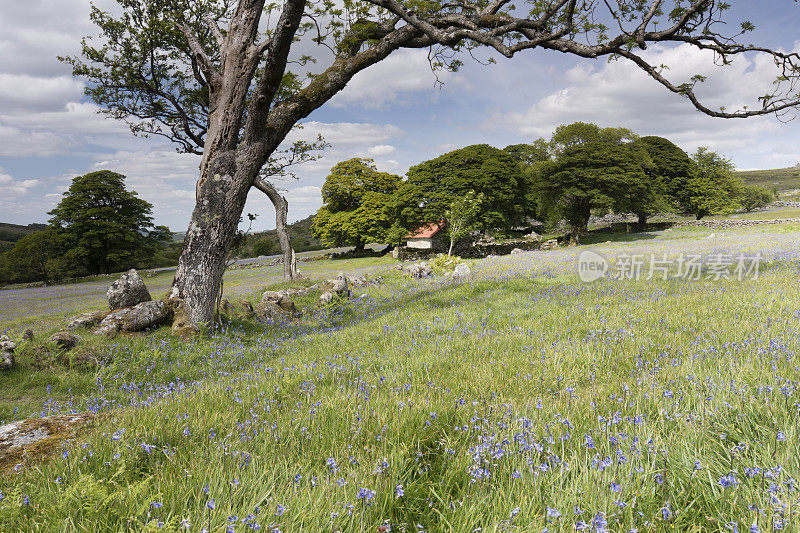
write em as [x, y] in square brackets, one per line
[553, 513]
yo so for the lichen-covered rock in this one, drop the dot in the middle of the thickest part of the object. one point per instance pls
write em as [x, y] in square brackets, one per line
[127, 291]
[326, 298]
[65, 340]
[7, 360]
[87, 320]
[108, 329]
[418, 270]
[137, 318]
[272, 295]
[287, 305]
[27, 335]
[6, 344]
[516, 251]
[269, 310]
[35, 438]
[462, 270]
[339, 286]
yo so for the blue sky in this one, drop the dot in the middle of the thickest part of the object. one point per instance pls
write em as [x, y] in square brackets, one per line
[393, 112]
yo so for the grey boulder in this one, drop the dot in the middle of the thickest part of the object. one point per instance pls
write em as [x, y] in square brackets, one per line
[340, 286]
[65, 340]
[269, 310]
[86, 320]
[127, 291]
[462, 270]
[418, 270]
[7, 347]
[326, 298]
[137, 318]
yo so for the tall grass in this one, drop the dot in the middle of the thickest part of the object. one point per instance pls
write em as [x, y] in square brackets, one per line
[520, 400]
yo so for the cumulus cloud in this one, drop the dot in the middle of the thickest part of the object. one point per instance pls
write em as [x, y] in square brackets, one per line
[25, 93]
[344, 134]
[11, 187]
[380, 150]
[401, 74]
[619, 93]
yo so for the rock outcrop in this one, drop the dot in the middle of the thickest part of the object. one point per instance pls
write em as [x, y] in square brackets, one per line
[137, 318]
[65, 340]
[87, 320]
[462, 270]
[127, 291]
[7, 347]
[418, 270]
[35, 438]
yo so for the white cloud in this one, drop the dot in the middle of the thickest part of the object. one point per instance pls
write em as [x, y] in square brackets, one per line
[620, 94]
[402, 73]
[344, 134]
[22, 92]
[381, 150]
[11, 187]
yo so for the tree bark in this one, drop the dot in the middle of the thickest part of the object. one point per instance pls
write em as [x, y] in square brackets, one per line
[281, 209]
[221, 192]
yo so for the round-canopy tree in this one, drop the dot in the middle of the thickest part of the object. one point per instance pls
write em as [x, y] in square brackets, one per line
[432, 186]
[672, 167]
[213, 76]
[593, 175]
[103, 226]
[356, 201]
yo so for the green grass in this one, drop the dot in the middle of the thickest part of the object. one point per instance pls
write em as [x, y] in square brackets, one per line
[782, 178]
[533, 379]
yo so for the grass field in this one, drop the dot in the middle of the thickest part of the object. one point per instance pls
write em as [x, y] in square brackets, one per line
[782, 178]
[521, 399]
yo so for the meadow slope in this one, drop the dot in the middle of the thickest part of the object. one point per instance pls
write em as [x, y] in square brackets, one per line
[520, 399]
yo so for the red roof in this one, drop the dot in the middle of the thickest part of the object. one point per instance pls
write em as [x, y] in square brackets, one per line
[427, 230]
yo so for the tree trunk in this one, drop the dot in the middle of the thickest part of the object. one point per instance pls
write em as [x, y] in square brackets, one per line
[450, 250]
[281, 209]
[221, 192]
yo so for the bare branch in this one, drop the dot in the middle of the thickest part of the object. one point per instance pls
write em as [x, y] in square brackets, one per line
[214, 28]
[687, 92]
[205, 63]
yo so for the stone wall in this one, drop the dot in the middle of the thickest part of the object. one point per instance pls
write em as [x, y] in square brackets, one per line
[734, 223]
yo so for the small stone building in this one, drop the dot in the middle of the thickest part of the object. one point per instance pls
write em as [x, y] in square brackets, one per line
[429, 236]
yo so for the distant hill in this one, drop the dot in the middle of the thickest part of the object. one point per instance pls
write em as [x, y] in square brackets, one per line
[299, 233]
[781, 178]
[11, 233]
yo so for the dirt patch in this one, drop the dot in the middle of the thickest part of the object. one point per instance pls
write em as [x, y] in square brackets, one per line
[29, 441]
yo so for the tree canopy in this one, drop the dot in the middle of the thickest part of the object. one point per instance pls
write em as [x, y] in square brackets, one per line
[712, 189]
[104, 227]
[593, 175]
[495, 175]
[356, 199]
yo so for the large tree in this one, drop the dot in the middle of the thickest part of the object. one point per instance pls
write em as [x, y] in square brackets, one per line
[431, 187]
[355, 210]
[103, 226]
[672, 168]
[594, 176]
[213, 76]
[713, 188]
